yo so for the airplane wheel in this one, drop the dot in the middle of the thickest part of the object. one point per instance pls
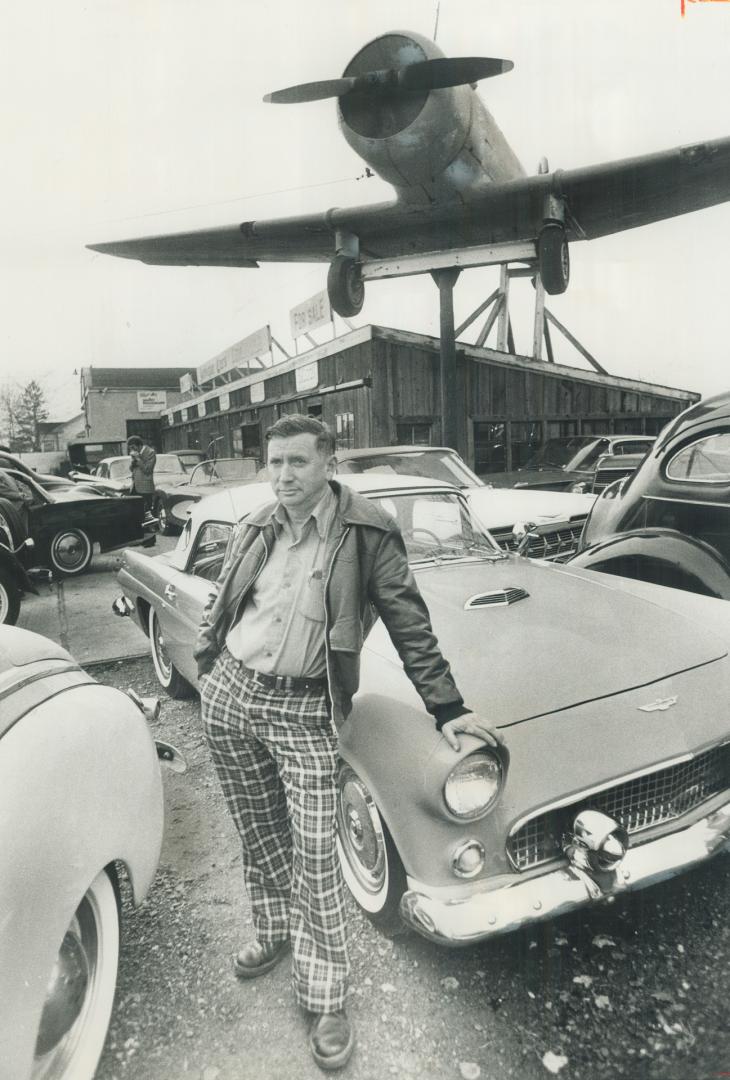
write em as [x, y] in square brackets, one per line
[554, 258]
[345, 286]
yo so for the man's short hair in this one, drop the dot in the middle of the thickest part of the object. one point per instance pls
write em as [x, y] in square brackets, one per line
[298, 424]
[134, 440]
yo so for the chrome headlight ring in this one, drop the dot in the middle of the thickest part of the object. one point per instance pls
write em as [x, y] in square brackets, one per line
[473, 785]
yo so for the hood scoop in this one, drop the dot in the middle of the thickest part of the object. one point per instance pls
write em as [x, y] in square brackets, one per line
[510, 594]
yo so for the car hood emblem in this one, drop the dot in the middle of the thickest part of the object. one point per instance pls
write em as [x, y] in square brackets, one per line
[660, 705]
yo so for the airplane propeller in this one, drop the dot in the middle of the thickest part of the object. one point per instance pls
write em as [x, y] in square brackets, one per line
[425, 75]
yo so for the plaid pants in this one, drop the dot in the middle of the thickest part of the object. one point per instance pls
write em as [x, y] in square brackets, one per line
[276, 758]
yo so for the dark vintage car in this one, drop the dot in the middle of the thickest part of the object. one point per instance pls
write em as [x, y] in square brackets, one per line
[669, 522]
[48, 481]
[81, 806]
[553, 521]
[571, 463]
[64, 525]
[174, 501]
[14, 583]
[614, 767]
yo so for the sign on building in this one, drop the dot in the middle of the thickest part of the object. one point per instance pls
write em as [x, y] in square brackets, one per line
[151, 400]
[255, 346]
[224, 402]
[312, 313]
[186, 383]
[258, 391]
[307, 377]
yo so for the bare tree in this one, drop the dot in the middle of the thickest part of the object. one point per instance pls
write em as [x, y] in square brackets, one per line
[8, 412]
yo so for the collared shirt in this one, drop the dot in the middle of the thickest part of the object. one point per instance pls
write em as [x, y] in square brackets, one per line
[281, 630]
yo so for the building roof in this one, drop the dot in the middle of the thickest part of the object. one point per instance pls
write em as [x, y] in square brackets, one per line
[138, 378]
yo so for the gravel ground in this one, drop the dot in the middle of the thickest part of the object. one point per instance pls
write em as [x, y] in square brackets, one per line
[638, 989]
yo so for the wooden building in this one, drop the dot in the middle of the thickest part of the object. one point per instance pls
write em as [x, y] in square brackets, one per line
[375, 386]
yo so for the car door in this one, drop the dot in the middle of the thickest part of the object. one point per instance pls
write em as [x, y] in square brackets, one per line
[186, 594]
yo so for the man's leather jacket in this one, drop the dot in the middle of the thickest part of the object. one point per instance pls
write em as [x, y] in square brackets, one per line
[367, 576]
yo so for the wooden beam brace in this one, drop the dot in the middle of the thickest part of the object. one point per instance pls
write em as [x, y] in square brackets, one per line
[476, 313]
[574, 341]
[490, 321]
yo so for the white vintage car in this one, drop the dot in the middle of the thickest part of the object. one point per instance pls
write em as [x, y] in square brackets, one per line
[80, 797]
[544, 524]
[610, 699]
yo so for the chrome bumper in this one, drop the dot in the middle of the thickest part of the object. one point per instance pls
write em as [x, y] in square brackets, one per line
[485, 914]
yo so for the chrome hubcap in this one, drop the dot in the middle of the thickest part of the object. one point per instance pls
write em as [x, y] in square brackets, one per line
[362, 837]
[162, 657]
[69, 551]
[66, 991]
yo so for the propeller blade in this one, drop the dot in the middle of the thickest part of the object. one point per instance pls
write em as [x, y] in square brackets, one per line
[314, 91]
[423, 76]
[447, 71]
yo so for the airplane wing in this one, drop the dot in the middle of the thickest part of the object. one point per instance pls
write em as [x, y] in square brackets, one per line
[600, 199]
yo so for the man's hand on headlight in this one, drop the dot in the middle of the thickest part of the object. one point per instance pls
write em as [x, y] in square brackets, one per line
[469, 724]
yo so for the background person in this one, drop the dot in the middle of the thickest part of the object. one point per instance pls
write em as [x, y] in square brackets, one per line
[142, 469]
[277, 679]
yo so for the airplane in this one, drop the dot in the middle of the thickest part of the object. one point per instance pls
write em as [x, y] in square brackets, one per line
[415, 118]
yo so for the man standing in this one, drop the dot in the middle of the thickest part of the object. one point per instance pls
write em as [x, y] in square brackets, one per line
[278, 659]
[142, 469]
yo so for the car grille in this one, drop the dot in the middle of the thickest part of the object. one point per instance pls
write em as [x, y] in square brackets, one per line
[604, 477]
[548, 542]
[638, 804]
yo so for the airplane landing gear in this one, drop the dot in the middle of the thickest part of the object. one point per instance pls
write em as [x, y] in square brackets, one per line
[553, 258]
[345, 286]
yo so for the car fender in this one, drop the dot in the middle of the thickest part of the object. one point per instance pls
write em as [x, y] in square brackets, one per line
[87, 752]
[661, 548]
[392, 744]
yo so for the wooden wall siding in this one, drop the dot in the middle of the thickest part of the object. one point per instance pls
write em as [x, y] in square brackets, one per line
[405, 386]
[382, 419]
[415, 382]
[516, 392]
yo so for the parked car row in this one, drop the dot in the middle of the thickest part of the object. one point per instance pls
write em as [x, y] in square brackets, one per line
[458, 846]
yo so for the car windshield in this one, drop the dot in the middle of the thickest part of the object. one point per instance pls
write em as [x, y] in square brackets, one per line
[437, 525]
[561, 453]
[170, 463]
[190, 459]
[224, 470]
[433, 464]
[120, 468]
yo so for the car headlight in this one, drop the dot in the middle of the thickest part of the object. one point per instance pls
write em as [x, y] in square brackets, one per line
[472, 786]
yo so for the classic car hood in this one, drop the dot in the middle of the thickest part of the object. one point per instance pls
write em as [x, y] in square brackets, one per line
[533, 478]
[500, 507]
[579, 639]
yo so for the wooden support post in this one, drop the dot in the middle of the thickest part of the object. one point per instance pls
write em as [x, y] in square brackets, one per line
[502, 344]
[537, 330]
[446, 279]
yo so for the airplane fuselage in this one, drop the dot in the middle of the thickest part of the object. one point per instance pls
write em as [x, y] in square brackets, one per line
[432, 146]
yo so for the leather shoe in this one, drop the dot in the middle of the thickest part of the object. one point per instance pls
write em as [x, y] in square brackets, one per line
[257, 958]
[331, 1039]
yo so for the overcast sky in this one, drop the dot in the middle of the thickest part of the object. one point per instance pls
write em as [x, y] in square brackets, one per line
[133, 117]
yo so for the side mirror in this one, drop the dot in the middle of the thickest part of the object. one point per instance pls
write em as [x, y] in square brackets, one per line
[150, 706]
[122, 606]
